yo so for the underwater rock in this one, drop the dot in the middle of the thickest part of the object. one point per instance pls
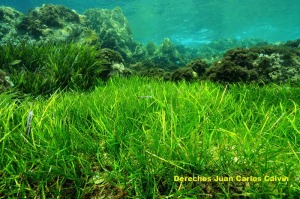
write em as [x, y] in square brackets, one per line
[105, 21]
[273, 68]
[144, 64]
[146, 68]
[236, 66]
[114, 32]
[293, 43]
[9, 17]
[168, 57]
[214, 50]
[229, 73]
[151, 48]
[199, 66]
[155, 73]
[112, 63]
[8, 14]
[110, 56]
[276, 64]
[89, 37]
[53, 23]
[184, 73]
[139, 53]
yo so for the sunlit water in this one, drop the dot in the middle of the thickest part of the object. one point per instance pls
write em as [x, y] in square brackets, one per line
[194, 22]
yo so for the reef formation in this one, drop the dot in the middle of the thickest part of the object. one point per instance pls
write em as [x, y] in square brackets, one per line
[265, 64]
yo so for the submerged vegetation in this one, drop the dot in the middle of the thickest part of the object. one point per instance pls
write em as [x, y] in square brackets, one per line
[41, 69]
[113, 142]
[113, 118]
[45, 68]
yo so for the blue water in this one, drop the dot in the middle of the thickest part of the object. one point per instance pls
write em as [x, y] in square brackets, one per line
[193, 22]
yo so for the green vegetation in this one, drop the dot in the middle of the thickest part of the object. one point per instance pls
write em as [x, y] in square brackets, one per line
[130, 138]
[42, 69]
[96, 136]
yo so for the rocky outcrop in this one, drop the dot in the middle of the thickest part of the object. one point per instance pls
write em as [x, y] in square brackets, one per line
[9, 18]
[55, 24]
[276, 64]
[114, 32]
[112, 63]
[48, 23]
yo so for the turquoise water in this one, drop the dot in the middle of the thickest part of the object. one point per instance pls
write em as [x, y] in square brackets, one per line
[193, 22]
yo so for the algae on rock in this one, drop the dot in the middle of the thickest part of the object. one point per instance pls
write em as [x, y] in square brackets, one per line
[9, 17]
[114, 31]
[271, 63]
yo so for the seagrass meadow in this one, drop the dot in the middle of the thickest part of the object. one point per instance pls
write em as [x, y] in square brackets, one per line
[143, 138]
[188, 100]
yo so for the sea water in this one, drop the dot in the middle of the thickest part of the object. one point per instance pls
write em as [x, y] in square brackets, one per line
[195, 22]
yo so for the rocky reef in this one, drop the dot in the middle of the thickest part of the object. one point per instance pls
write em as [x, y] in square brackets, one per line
[53, 23]
[48, 23]
[265, 64]
[112, 64]
[192, 71]
[9, 18]
[114, 32]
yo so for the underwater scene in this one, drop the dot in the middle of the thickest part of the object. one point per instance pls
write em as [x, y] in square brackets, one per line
[149, 99]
